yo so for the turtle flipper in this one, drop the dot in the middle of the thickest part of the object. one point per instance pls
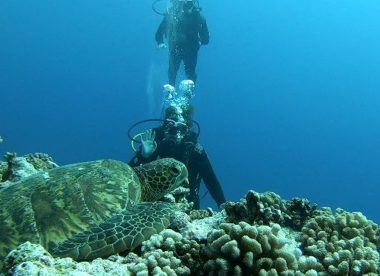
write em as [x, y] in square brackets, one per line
[119, 233]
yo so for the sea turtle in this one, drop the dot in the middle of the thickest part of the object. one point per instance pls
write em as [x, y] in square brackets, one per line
[89, 210]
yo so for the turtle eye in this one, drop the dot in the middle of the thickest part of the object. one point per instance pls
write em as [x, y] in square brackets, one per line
[174, 170]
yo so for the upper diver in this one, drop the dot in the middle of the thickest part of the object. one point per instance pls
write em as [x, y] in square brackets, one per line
[185, 29]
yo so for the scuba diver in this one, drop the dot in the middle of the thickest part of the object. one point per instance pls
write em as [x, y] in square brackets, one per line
[176, 139]
[185, 29]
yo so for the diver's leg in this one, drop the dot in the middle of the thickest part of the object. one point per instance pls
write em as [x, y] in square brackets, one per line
[197, 203]
[174, 62]
[194, 196]
[190, 61]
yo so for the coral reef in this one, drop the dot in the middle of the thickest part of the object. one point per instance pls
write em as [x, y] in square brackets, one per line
[32, 259]
[158, 262]
[345, 244]
[3, 169]
[200, 214]
[243, 249]
[15, 168]
[268, 208]
[185, 250]
[179, 196]
[242, 239]
[41, 161]
[199, 229]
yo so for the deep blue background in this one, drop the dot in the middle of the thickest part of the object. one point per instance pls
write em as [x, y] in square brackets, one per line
[288, 91]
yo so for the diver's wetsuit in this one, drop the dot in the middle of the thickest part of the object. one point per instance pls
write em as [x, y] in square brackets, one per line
[194, 157]
[185, 30]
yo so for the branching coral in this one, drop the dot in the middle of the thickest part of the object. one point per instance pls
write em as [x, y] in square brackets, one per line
[187, 251]
[346, 244]
[243, 249]
[158, 262]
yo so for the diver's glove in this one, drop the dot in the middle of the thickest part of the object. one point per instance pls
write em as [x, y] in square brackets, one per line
[148, 145]
[162, 46]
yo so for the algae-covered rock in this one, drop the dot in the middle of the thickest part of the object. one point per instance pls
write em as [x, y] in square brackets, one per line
[201, 214]
[200, 228]
[41, 161]
[3, 169]
[16, 168]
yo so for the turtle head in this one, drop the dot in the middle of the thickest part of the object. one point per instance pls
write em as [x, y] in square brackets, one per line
[161, 177]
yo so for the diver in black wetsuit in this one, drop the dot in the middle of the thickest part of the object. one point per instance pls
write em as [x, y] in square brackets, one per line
[175, 139]
[185, 30]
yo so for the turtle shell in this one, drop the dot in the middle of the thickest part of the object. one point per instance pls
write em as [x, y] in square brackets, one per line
[50, 207]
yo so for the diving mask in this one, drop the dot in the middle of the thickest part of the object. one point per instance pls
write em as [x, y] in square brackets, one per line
[175, 130]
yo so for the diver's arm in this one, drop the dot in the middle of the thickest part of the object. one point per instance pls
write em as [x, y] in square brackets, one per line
[161, 31]
[136, 160]
[209, 178]
[204, 34]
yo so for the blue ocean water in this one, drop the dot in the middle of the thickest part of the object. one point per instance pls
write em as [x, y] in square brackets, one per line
[287, 94]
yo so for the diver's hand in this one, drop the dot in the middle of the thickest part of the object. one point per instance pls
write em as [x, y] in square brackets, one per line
[162, 46]
[148, 145]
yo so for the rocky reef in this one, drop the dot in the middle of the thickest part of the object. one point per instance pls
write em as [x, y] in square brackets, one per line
[14, 168]
[328, 243]
[268, 208]
[261, 234]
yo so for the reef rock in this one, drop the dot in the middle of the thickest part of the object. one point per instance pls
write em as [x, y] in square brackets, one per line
[16, 168]
[267, 208]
